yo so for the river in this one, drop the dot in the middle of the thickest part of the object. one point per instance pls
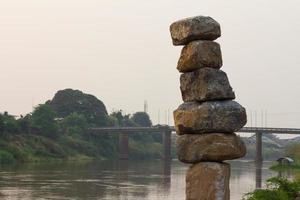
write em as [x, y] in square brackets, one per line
[115, 180]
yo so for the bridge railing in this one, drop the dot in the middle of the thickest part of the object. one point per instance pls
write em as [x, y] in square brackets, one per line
[158, 129]
[166, 139]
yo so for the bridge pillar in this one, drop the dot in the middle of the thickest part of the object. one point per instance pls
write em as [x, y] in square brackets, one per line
[166, 140]
[258, 175]
[123, 146]
[259, 157]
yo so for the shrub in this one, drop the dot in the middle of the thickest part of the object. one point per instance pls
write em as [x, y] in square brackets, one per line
[277, 189]
[6, 157]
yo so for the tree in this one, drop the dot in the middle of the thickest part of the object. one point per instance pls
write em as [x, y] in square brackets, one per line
[43, 118]
[142, 119]
[112, 121]
[24, 124]
[9, 124]
[1, 124]
[74, 124]
[68, 101]
[123, 119]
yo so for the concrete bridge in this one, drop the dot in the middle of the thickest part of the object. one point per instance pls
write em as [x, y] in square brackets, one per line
[166, 132]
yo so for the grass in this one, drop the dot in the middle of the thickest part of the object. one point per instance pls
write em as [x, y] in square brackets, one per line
[278, 167]
[292, 166]
[23, 148]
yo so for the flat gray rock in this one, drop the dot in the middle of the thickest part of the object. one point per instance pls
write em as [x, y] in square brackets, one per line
[194, 28]
[194, 148]
[209, 117]
[199, 54]
[205, 84]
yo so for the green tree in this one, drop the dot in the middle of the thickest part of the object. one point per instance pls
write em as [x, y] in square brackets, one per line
[277, 189]
[293, 150]
[142, 119]
[75, 124]
[123, 119]
[43, 118]
[112, 121]
[24, 124]
[68, 101]
[9, 124]
[1, 124]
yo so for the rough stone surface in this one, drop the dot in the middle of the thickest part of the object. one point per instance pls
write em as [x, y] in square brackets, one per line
[194, 28]
[209, 117]
[208, 181]
[194, 148]
[205, 84]
[199, 54]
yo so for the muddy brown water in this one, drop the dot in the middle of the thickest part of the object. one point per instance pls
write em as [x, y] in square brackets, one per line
[115, 180]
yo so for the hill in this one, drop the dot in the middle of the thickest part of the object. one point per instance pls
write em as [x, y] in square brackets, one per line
[58, 129]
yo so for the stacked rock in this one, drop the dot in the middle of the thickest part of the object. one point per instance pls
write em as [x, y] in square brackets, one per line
[208, 118]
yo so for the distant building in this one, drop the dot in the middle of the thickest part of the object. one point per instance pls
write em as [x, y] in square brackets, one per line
[285, 161]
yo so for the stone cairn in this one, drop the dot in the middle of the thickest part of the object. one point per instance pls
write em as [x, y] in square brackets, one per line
[208, 118]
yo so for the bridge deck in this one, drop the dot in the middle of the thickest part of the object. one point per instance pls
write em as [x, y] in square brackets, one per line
[171, 128]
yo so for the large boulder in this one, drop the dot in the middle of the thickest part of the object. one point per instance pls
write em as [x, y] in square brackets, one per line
[208, 181]
[205, 84]
[194, 28]
[70, 101]
[199, 54]
[209, 117]
[194, 148]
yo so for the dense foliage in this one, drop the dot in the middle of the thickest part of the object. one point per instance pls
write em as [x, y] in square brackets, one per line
[68, 101]
[277, 189]
[59, 130]
[142, 119]
[293, 151]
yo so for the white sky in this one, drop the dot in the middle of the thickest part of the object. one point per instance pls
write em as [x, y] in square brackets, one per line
[121, 52]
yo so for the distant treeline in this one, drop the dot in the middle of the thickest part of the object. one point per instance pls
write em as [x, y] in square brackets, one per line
[58, 130]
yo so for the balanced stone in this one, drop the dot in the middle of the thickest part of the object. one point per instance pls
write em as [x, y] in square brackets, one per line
[199, 54]
[194, 148]
[208, 117]
[208, 181]
[194, 28]
[205, 84]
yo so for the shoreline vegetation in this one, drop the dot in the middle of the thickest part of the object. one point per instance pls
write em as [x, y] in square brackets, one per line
[278, 167]
[281, 188]
[58, 130]
[293, 151]
[277, 189]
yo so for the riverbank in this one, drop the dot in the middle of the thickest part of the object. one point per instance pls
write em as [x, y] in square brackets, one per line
[23, 148]
[279, 167]
[59, 130]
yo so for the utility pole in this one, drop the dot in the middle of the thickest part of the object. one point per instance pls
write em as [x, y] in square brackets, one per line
[255, 118]
[266, 116]
[168, 116]
[251, 118]
[262, 118]
[145, 106]
[158, 117]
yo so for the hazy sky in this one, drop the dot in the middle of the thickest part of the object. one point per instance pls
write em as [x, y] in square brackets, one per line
[121, 52]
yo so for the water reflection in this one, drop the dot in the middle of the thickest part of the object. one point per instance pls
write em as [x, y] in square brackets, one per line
[120, 180]
[166, 178]
[258, 174]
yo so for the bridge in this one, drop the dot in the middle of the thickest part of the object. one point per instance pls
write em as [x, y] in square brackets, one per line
[166, 132]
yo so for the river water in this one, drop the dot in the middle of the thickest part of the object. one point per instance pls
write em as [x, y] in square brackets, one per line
[115, 180]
